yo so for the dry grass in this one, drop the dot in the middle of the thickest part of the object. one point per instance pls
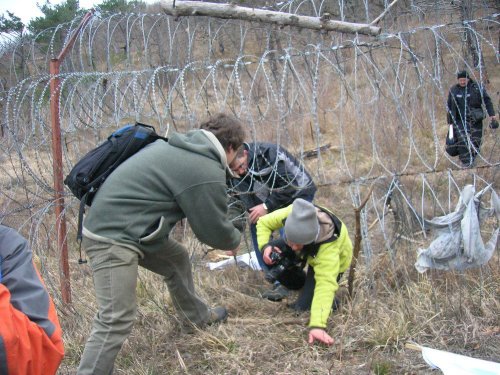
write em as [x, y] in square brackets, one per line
[392, 305]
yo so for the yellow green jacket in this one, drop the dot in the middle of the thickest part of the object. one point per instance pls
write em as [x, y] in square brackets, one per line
[331, 259]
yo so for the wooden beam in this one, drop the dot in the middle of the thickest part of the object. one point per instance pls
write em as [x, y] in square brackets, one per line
[357, 242]
[316, 151]
[231, 11]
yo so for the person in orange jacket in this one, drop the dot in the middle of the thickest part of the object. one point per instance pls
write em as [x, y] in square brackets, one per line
[30, 334]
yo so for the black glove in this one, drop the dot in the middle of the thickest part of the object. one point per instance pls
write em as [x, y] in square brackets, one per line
[493, 124]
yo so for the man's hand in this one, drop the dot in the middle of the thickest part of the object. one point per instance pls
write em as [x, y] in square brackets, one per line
[266, 254]
[320, 335]
[232, 253]
[256, 212]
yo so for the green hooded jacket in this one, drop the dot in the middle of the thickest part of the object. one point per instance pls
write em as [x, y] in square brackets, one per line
[140, 202]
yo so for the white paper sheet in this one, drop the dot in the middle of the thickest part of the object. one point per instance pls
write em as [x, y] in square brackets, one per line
[245, 260]
[455, 364]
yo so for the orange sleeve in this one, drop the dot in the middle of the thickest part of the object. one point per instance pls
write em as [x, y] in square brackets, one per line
[25, 348]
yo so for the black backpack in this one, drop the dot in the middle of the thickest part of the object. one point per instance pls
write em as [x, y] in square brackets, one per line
[92, 170]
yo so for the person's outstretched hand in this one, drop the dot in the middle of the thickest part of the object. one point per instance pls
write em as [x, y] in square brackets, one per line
[320, 335]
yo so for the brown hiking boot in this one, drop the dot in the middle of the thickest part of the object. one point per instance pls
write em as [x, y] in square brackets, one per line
[216, 315]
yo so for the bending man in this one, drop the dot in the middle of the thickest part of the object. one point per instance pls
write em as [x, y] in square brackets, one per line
[130, 220]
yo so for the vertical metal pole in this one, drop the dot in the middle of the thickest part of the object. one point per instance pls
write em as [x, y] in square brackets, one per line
[57, 167]
[61, 232]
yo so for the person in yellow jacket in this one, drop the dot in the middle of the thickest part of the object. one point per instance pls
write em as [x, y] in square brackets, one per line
[313, 235]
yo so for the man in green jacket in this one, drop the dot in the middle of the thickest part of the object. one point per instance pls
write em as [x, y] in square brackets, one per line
[315, 236]
[130, 220]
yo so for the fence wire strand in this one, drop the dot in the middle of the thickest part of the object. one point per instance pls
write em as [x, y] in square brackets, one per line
[379, 102]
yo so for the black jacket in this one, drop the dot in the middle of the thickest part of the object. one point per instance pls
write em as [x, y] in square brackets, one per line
[274, 177]
[462, 99]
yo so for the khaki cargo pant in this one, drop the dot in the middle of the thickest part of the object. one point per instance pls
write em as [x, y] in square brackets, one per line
[115, 271]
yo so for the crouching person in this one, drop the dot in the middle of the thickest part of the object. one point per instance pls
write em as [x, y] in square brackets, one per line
[129, 224]
[313, 236]
[30, 334]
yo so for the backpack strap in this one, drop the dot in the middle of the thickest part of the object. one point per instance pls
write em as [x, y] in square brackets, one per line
[336, 222]
[312, 249]
[79, 235]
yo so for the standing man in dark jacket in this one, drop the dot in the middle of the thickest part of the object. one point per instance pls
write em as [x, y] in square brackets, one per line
[269, 178]
[130, 220]
[466, 114]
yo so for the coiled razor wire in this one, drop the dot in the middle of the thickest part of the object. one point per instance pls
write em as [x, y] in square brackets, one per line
[370, 110]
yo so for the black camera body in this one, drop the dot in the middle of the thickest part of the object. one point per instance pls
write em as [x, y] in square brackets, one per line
[276, 256]
[282, 262]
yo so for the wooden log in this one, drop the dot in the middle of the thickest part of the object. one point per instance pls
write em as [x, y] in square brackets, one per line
[316, 151]
[231, 11]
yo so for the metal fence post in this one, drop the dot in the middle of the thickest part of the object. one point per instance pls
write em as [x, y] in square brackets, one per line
[61, 232]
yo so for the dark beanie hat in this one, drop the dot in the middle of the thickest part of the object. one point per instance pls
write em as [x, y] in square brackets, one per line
[463, 74]
[302, 226]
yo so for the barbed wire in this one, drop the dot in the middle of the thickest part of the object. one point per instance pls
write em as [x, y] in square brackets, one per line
[378, 101]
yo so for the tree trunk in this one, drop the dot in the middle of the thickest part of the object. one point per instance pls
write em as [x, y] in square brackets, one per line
[198, 8]
[473, 47]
